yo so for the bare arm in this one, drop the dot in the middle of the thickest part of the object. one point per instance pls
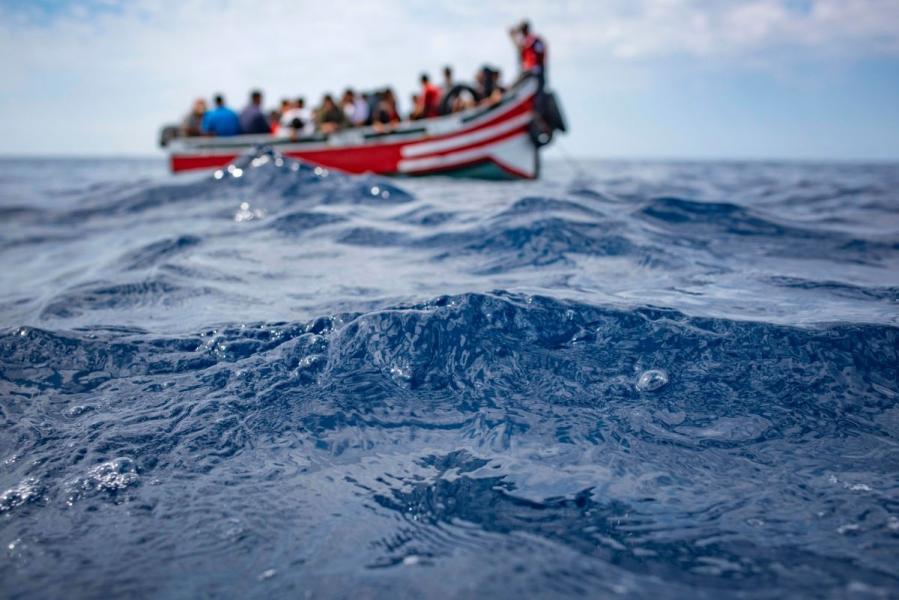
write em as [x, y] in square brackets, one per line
[516, 36]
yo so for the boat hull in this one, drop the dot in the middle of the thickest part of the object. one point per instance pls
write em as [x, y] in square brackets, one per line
[489, 142]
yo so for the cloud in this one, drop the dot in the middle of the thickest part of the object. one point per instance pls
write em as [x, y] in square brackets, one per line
[101, 76]
[740, 29]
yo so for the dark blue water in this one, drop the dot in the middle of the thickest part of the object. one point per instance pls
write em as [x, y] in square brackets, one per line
[648, 379]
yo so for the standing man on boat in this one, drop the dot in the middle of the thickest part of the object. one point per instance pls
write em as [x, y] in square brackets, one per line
[532, 56]
[531, 51]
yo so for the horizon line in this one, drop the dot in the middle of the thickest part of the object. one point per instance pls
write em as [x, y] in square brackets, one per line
[556, 158]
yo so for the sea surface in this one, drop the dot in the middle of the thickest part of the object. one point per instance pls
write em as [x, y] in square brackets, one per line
[648, 379]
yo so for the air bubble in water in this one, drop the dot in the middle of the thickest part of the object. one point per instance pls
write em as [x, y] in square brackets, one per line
[259, 161]
[652, 380]
[78, 410]
[246, 213]
[110, 477]
[401, 372]
[25, 492]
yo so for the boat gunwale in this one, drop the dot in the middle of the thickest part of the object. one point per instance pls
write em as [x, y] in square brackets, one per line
[364, 136]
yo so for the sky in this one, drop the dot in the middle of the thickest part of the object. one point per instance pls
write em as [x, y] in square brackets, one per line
[680, 79]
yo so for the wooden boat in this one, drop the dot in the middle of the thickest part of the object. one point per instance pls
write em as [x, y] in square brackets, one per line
[500, 141]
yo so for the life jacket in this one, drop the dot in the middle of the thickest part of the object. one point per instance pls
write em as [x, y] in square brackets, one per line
[533, 52]
[430, 98]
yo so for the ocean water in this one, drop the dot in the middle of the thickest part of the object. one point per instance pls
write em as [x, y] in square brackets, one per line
[628, 378]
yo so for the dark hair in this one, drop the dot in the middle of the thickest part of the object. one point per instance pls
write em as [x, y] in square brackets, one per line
[256, 96]
[525, 27]
[219, 100]
[447, 70]
[424, 78]
[301, 100]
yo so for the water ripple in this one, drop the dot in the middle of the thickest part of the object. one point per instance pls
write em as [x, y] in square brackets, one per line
[676, 379]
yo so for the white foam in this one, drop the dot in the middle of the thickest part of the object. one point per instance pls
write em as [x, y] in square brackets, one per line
[26, 491]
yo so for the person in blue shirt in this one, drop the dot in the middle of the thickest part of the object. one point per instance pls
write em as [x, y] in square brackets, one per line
[221, 121]
[252, 120]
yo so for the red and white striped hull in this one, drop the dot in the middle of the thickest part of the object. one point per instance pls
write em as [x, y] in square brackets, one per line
[482, 142]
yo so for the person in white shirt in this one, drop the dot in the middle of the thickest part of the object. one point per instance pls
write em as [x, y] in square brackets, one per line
[360, 110]
[297, 120]
[355, 108]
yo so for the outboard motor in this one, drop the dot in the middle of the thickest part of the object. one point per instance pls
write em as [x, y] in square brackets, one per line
[549, 119]
[552, 113]
[167, 134]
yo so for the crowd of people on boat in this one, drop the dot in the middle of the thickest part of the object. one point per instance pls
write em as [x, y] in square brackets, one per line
[353, 109]
[377, 109]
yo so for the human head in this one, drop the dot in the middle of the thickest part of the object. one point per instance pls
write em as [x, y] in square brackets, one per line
[424, 78]
[285, 103]
[199, 106]
[219, 100]
[256, 97]
[301, 102]
[328, 101]
[348, 95]
[448, 73]
[525, 27]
